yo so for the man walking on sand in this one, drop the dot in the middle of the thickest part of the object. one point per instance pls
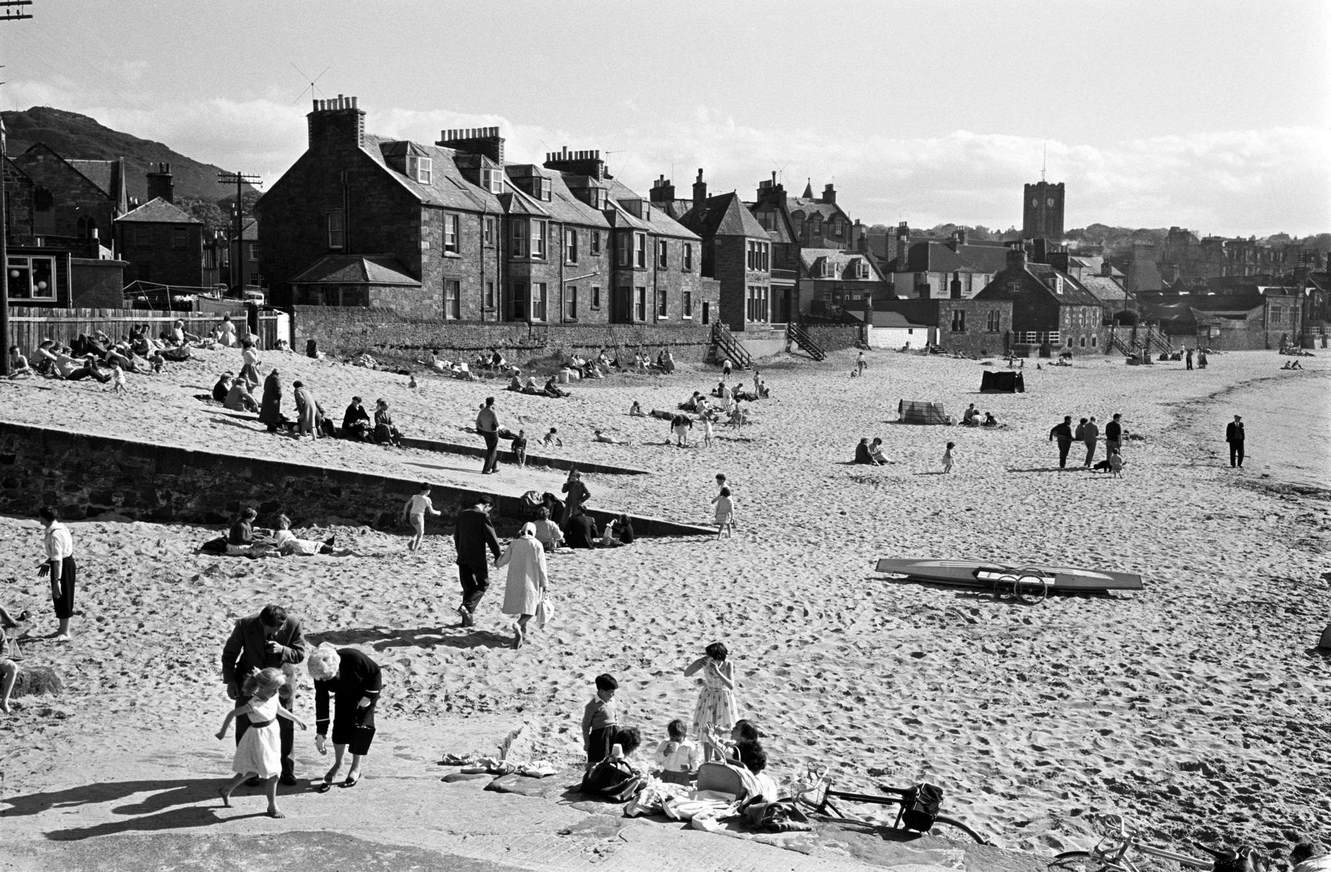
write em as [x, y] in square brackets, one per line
[1234, 436]
[1089, 434]
[1063, 433]
[487, 424]
[1114, 436]
[59, 565]
[269, 639]
[472, 535]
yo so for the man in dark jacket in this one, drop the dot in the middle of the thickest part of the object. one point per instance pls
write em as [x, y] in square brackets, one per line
[487, 424]
[270, 638]
[580, 531]
[1114, 436]
[1234, 436]
[1063, 433]
[472, 535]
[1090, 433]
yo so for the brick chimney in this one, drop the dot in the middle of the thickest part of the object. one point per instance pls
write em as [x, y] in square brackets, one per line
[829, 194]
[1016, 255]
[581, 163]
[160, 183]
[771, 192]
[336, 122]
[662, 192]
[474, 140]
[903, 246]
[699, 190]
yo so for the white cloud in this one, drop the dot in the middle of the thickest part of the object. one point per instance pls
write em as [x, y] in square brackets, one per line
[1229, 182]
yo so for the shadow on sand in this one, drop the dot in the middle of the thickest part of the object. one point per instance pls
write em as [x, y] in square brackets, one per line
[385, 638]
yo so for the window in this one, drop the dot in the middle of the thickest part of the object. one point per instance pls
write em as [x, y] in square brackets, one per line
[958, 320]
[991, 322]
[688, 304]
[451, 232]
[420, 168]
[538, 301]
[596, 241]
[1093, 338]
[489, 294]
[488, 232]
[519, 238]
[767, 256]
[539, 229]
[687, 265]
[640, 305]
[571, 303]
[624, 256]
[492, 179]
[336, 230]
[750, 254]
[570, 245]
[640, 250]
[31, 278]
[452, 299]
[517, 295]
[1082, 342]
[596, 296]
[542, 189]
[179, 237]
[662, 254]
[662, 305]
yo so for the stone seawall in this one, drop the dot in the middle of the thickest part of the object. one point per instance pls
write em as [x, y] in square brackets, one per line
[348, 331]
[84, 475]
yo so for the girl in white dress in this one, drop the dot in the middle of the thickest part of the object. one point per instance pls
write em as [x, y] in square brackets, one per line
[716, 700]
[259, 751]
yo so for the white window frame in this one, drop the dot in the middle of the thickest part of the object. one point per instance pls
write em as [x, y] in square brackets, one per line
[489, 225]
[571, 303]
[640, 251]
[452, 300]
[570, 245]
[596, 296]
[519, 238]
[662, 305]
[492, 179]
[687, 301]
[640, 303]
[662, 254]
[27, 263]
[543, 189]
[540, 237]
[686, 264]
[537, 299]
[452, 224]
[596, 242]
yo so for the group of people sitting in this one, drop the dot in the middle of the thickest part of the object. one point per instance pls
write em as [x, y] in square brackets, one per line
[244, 540]
[871, 453]
[551, 389]
[1292, 364]
[456, 369]
[971, 418]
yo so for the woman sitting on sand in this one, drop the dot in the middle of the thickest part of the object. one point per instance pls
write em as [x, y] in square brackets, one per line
[356, 422]
[384, 431]
[989, 420]
[635, 410]
[862, 454]
[222, 387]
[238, 397]
[552, 389]
[287, 544]
[876, 451]
[515, 383]
[240, 538]
[547, 531]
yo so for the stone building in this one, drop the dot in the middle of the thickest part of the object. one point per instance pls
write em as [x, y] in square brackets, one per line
[161, 242]
[1051, 310]
[1042, 211]
[832, 279]
[737, 252]
[954, 269]
[1184, 258]
[73, 201]
[452, 231]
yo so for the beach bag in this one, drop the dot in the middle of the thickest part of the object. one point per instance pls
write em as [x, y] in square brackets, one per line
[612, 780]
[920, 807]
[214, 546]
[545, 611]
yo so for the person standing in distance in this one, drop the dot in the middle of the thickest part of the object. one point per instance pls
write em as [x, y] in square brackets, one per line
[1089, 434]
[1234, 436]
[472, 535]
[487, 424]
[1114, 436]
[59, 565]
[1063, 433]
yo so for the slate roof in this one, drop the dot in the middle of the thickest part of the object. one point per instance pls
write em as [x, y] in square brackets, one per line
[158, 211]
[563, 205]
[1104, 288]
[1074, 292]
[355, 269]
[660, 223]
[1092, 264]
[813, 258]
[447, 188]
[936, 255]
[101, 173]
[811, 205]
[893, 319]
[723, 215]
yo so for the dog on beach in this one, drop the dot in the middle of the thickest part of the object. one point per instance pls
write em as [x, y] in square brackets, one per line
[1111, 464]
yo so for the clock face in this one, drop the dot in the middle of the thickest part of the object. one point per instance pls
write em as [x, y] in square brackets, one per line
[1049, 202]
[1034, 201]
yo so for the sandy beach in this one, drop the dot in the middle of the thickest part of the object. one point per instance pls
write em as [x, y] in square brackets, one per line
[1193, 706]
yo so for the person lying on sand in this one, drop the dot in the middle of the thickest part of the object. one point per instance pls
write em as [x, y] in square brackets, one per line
[600, 436]
[286, 543]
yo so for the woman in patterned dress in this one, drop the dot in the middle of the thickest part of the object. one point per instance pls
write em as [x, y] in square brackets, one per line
[716, 701]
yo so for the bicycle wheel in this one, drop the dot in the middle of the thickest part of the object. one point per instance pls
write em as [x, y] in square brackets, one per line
[1030, 589]
[1005, 587]
[1074, 861]
[953, 822]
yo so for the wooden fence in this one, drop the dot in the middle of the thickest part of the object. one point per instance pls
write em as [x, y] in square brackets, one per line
[29, 325]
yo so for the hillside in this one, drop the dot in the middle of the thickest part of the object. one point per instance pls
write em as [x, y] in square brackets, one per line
[78, 136]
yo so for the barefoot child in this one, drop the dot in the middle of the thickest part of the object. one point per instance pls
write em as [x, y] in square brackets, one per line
[552, 438]
[519, 447]
[117, 379]
[259, 752]
[725, 513]
[678, 756]
[947, 457]
[414, 511]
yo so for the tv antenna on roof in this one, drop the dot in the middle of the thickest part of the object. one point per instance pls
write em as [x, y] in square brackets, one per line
[1044, 159]
[312, 88]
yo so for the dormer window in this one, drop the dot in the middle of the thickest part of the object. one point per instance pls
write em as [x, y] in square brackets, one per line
[492, 179]
[421, 169]
[543, 189]
[1058, 284]
[597, 198]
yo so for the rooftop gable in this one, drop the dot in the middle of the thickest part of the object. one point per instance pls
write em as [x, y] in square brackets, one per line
[158, 211]
[723, 215]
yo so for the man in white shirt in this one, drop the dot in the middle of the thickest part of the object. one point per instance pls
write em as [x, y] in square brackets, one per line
[59, 565]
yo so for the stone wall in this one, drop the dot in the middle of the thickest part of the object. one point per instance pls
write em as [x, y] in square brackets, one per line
[348, 331]
[84, 475]
[834, 337]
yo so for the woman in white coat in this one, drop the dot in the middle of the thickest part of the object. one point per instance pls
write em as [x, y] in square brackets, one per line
[525, 587]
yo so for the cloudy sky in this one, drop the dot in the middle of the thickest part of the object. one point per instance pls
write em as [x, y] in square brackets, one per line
[1211, 114]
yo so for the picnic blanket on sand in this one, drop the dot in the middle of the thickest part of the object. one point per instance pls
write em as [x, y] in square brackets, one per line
[921, 412]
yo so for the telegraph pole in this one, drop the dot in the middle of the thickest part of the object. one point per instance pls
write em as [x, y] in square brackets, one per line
[238, 270]
[10, 10]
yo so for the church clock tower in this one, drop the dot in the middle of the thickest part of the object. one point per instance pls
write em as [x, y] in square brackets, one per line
[1042, 211]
